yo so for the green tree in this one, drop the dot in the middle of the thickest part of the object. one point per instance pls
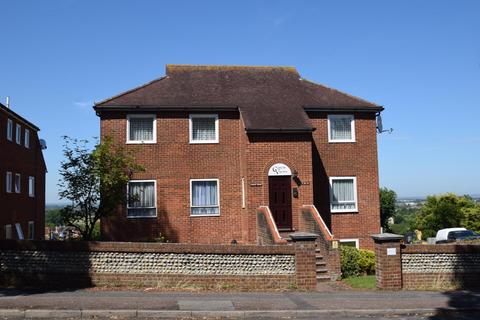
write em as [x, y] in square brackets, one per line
[388, 198]
[54, 218]
[94, 182]
[471, 218]
[444, 211]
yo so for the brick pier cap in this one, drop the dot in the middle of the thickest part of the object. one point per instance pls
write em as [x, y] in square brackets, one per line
[386, 237]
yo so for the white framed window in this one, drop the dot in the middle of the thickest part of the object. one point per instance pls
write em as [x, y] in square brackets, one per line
[18, 227]
[9, 129]
[204, 197]
[18, 182]
[18, 134]
[343, 194]
[31, 230]
[350, 243]
[341, 128]
[203, 128]
[8, 231]
[8, 181]
[142, 199]
[27, 139]
[141, 128]
[31, 186]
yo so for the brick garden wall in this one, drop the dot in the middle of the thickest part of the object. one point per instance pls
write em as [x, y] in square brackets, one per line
[440, 266]
[157, 265]
[425, 267]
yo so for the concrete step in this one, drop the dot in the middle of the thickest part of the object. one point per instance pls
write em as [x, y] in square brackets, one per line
[321, 278]
[318, 257]
[320, 263]
[321, 270]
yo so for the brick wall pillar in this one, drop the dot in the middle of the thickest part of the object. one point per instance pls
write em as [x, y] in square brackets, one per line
[388, 258]
[305, 263]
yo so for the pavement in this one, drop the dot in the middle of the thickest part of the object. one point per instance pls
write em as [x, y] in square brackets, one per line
[323, 304]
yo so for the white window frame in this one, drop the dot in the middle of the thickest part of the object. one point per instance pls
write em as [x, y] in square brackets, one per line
[18, 228]
[155, 200]
[354, 194]
[338, 116]
[190, 127]
[191, 199]
[8, 181]
[18, 134]
[8, 232]
[19, 183]
[357, 242]
[31, 235]
[10, 129]
[26, 138]
[31, 186]
[154, 133]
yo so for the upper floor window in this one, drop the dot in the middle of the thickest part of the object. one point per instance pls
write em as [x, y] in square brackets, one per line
[18, 181]
[18, 134]
[203, 128]
[141, 128]
[142, 199]
[31, 186]
[8, 181]
[27, 138]
[343, 194]
[341, 128]
[204, 195]
[9, 129]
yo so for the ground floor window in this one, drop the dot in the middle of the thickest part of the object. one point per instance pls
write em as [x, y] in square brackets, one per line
[349, 243]
[18, 227]
[142, 199]
[204, 195]
[343, 194]
[31, 230]
[8, 231]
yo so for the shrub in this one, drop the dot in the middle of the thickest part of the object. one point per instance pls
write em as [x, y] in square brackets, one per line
[349, 257]
[367, 262]
[356, 262]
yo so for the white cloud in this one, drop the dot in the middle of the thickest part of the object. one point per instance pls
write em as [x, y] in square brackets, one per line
[83, 104]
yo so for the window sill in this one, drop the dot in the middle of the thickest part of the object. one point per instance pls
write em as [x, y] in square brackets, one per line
[341, 141]
[204, 215]
[142, 217]
[204, 142]
[344, 211]
[141, 142]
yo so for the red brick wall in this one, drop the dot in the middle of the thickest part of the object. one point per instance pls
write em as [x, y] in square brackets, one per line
[263, 151]
[19, 207]
[172, 161]
[358, 159]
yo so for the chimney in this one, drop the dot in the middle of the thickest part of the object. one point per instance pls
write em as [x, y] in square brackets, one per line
[7, 103]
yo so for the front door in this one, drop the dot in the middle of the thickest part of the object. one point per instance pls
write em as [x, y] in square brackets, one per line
[280, 195]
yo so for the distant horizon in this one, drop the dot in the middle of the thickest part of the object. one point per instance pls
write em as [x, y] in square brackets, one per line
[398, 198]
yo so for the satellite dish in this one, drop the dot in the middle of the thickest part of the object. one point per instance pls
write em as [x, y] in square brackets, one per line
[379, 123]
[43, 144]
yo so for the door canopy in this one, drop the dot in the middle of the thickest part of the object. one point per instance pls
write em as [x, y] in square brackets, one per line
[279, 169]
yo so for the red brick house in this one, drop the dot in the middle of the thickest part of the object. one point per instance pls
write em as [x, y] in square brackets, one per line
[22, 176]
[218, 142]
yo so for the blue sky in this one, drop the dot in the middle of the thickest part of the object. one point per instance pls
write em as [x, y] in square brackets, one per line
[419, 59]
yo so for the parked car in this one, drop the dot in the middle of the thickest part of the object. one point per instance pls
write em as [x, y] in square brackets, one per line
[442, 235]
[455, 234]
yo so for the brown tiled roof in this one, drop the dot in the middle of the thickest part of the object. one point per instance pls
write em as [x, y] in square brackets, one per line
[269, 98]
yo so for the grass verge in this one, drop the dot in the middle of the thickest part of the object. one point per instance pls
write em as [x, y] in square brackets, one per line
[362, 282]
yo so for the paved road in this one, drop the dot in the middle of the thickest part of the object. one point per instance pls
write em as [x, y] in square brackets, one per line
[288, 305]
